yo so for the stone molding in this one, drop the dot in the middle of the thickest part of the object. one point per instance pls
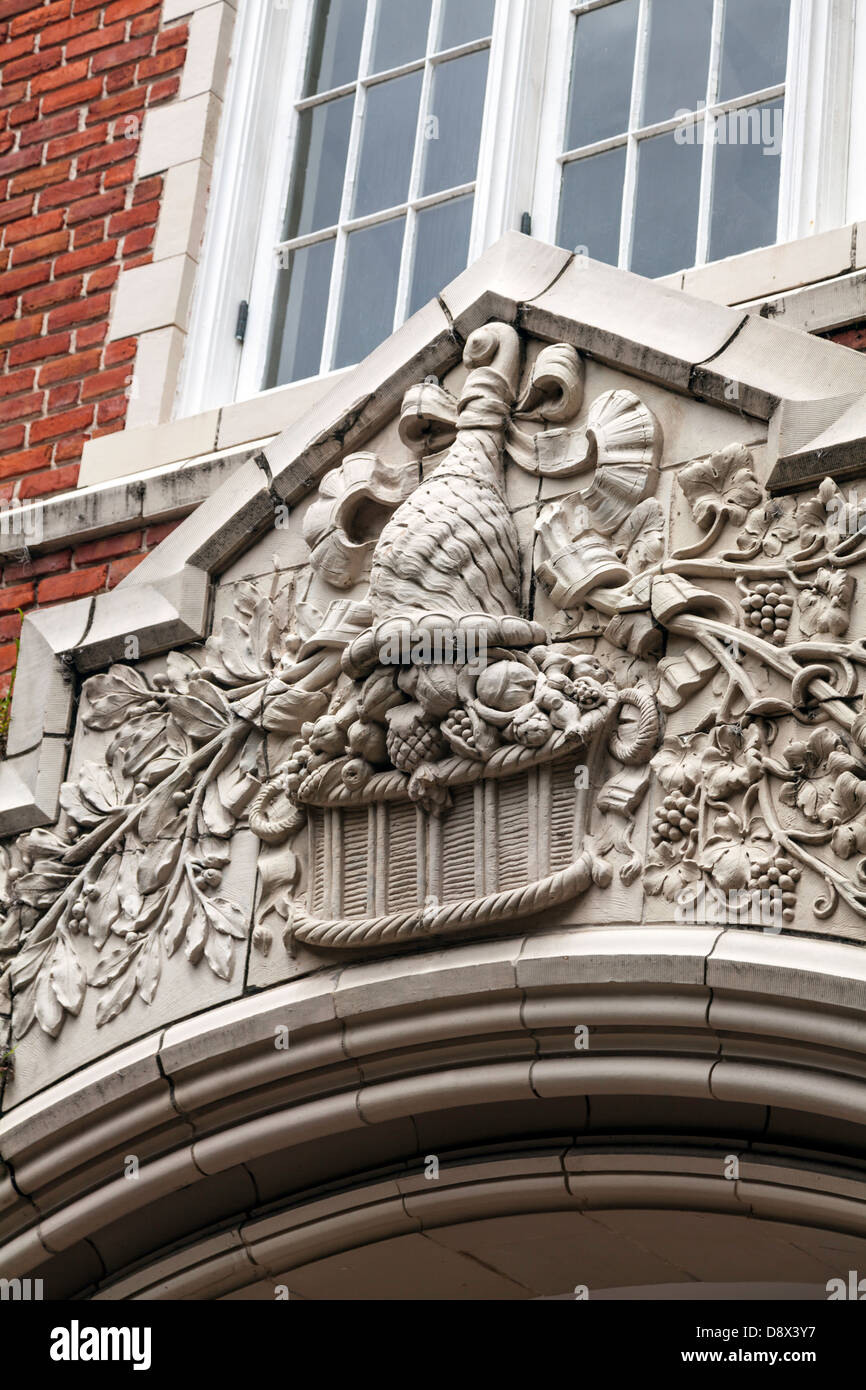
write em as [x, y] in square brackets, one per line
[211, 1105]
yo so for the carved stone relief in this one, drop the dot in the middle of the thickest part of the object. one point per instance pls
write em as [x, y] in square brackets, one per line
[429, 759]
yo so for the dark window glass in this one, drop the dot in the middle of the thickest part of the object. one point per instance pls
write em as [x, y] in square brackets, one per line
[754, 46]
[465, 20]
[591, 204]
[441, 248]
[299, 314]
[401, 33]
[666, 208]
[452, 128]
[387, 144]
[335, 44]
[601, 73]
[746, 184]
[679, 57]
[369, 290]
[320, 165]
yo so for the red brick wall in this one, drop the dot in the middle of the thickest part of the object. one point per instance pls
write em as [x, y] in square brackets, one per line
[76, 77]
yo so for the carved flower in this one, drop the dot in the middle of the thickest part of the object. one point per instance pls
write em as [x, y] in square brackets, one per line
[731, 763]
[722, 485]
[826, 606]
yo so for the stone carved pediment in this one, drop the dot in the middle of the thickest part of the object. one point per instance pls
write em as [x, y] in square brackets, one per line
[653, 686]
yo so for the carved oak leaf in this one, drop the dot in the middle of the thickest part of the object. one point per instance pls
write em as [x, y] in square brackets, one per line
[723, 485]
[667, 875]
[731, 763]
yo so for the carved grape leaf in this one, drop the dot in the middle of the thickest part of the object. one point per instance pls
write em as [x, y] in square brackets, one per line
[678, 766]
[722, 485]
[731, 762]
[668, 875]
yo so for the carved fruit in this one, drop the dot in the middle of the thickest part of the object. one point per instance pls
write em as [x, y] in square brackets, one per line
[768, 609]
[367, 740]
[506, 685]
[530, 726]
[412, 738]
[327, 736]
[588, 693]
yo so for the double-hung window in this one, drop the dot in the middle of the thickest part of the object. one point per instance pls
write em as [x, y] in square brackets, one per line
[371, 149]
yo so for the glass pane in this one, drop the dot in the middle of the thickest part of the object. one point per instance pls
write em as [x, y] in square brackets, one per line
[666, 208]
[452, 129]
[465, 20]
[299, 314]
[601, 74]
[754, 46]
[369, 290]
[335, 44]
[591, 203]
[319, 167]
[441, 248]
[401, 33]
[387, 144]
[678, 58]
[746, 184]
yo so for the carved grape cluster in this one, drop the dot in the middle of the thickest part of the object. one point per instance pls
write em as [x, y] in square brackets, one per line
[675, 821]
[768, 608]
[777, 877]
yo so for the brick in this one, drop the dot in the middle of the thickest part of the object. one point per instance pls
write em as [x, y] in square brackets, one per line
[9, 95]
[105, 383]
[100, 206]
[20, 329]
[29, 228]
[77, 364]
[87, 256]
[72, 585]
[8, 656]
[15, 464]
[103, 278]
[171, 38]
[145, 214]
[70, 448]
[69, 29]
[162, 62]
[124, 9]
[13, 209]
[156, 534]
[69, 144]
[123, 53]
[16, 597]
[21, 159]
[119, 174]
[11, 437]
[19, 407]
[57, 292]
[88, 234]
[10, 626]
[40, 248]
[147, 190]
[20, 69]
[138, 241]
[107, 547]
[117, 79]
[110, 153]
[162, 91]
[114, 408]
[44, 175]
[38, 132]
[14, 48]
[63, 396]
[54, 563]
[119, 569]
[15, 280]
[122, 350]
[24, 112]
[11, 384]
[61, 424]
[38, 16]
[60, 74]
[91, 333]
[55, 480]
[62, 194]
[77, 94]
[39, 349]
[144, 24]
[119, 104]
[95, 38]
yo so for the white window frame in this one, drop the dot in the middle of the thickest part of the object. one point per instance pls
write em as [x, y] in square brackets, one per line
[815, 137]
[245, 219]
[823, 175]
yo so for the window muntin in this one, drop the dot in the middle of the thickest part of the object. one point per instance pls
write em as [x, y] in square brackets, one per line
[381, 196]
[673, 127]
